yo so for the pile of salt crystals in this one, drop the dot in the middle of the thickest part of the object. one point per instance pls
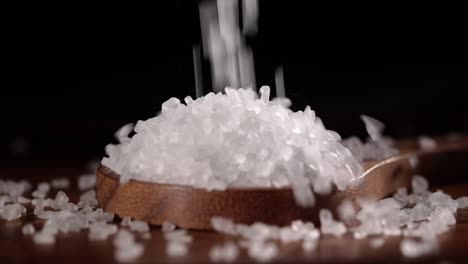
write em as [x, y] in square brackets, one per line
[235, 140]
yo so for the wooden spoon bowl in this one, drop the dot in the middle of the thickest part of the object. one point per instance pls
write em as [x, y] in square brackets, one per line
[193, 208]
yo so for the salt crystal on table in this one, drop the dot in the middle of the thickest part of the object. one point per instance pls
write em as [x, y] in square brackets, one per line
[44, 238]
[419, 184]
[168, 226]
[129, 254]
[28, 229]
[180, 235]
[101, 230]
[88, 199]
[60, 183]
[263, 251]
[224, 253]
[139, 226]
[126, 221]
[123, 238]
[420, 212]
[346, 211]
[377, 242]
[330, 226]
[23, 200]
[86, 182]
[11, 212]
[462, 202]
[61, 200]
[427, 143]
[176, 249]
[223, 225]
[412, 248]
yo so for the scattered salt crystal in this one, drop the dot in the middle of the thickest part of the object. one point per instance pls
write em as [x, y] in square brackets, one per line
[180, 236]
[126, 221]
[101, 230]
[61, 200]
[223, 225]
[43, 187]
[28, 229]
[12, 212]
[462, 202]
[127, 249]
[419, 184]
[412, 248]
[263, 251]
[420, 212]
[176, 249]
[427, 143]
[88, 199]
[23, 200]
[346, 211]
[224, 253]
[168, 226]
[377, 242]
[330, 226]
[60, 183]
[309, 245]
[139, 226]
[44, 238]
[86, 182]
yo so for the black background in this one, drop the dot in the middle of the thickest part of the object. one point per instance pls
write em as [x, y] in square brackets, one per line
[75, 74]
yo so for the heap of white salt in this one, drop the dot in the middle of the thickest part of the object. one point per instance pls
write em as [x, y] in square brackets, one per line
[235, 140]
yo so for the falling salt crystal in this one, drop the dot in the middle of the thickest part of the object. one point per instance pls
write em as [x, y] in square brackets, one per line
[28, 229]
[224, 253]
[176, 249]
[12, 212]
[60, 183]
[126, 221]
[462, 202]
[373, 126]
[346, 211]
[139, 226]
[168, 226]
[412, 248]
[23, 200]
[419, 184]
[377, 242]
[43, 187]
[427, 143]
[86, 182]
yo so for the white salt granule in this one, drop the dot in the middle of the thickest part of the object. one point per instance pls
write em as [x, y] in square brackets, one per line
[12, 211]
[86, 182]
[23, 200]
[224, 253]
[43, 187]
[176, 249]
[61, 200]
[126, 221]
[419, 184]
[330, 226]
[168, 226]
[346, 211]
[377, 242]
[462, 202]
[180, 236]
[420, 212]
[60, 183]
[88, 199]
[101, 230]
[28, 229]
[43, 238]
[427, 143]
[139, 226]
[412, 248]
[373, 126]
[235, 140]
[127, 249]
[262, 251]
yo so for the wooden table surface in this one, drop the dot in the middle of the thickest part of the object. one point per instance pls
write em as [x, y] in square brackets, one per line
[75, 247]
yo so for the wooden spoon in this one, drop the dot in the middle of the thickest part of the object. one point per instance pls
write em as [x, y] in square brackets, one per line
[190, 207]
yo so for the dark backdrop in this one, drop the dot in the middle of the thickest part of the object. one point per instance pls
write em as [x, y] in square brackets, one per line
[75, 74]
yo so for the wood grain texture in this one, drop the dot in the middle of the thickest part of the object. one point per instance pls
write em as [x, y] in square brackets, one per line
[193, 208]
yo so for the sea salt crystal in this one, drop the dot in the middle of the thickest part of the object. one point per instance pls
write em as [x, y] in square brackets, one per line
[412, 248]
[346, 211]
[86, 182]
[420, 212]
[139, 226]
[61, 200]
[44, 238]
[126, 221]
[43, 187]
[462, 202]
[23, 200]
[224, 253]
[427, 143]
[129, 254]
[419, 184]
[180, 236]
[12, 211]
[263, 251]
[28, 229]
[176, 249]
[101, 230]
[168, 226]
[373, 126]
[88, 199]
[223, 225]
[60, 183]
[377, 242]
[330, 226]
